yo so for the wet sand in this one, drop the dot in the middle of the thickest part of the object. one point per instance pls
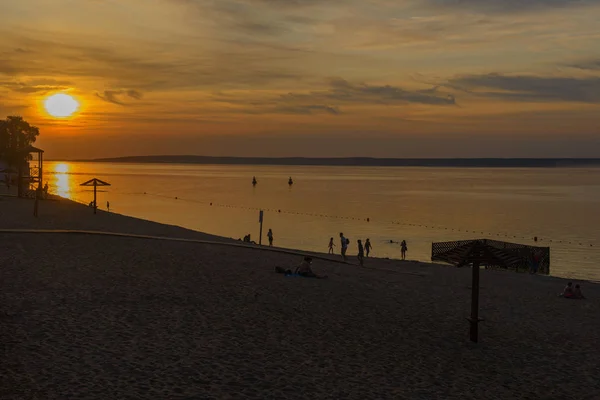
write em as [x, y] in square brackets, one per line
[101, 317]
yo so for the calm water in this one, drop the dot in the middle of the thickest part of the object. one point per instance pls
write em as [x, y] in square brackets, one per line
[420, 205]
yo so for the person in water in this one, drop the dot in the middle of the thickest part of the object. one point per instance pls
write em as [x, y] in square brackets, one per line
[254, 180]
[331, 246]
[361, 252]
[403, 248]
[368, 246]
[270, 236]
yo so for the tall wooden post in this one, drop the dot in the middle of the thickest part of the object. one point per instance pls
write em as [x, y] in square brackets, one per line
[260, 219]
[95, 205]
[35, 203]
[475, 301]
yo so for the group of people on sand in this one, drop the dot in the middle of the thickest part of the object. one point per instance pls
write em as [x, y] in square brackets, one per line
[363, 249]
[572, 293]
[248, 238]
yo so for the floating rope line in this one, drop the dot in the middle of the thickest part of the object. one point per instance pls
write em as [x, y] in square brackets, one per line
[368, 219]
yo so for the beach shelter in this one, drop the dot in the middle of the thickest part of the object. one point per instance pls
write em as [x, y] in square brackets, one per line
[488, 253]
[95, 183]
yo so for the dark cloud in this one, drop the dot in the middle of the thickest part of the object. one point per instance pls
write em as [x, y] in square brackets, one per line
[510, 6]
[593, 65]
[344, 91]
[531, 88]
[146, 67]
[339, 93]
[116, 96]
[134, 94]
[307, 109]
[36, 86]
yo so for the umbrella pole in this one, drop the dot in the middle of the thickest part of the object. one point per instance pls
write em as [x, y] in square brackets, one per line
[475, 302]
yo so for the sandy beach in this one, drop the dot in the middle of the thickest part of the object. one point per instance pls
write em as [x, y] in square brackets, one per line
[102, 317]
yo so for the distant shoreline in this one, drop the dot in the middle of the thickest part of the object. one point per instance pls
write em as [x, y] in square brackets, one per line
[361, 161]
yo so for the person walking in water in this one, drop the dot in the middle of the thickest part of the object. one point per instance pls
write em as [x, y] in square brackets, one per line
[344, 242]
[108, 206]
[331, 246]
[403, 249]
[368, 246]
[361, 252]
[270, 236]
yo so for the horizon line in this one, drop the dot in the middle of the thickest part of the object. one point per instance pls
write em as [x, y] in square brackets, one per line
[352, 161]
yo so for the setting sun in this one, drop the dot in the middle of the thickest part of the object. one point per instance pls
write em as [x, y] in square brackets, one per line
[61, 105]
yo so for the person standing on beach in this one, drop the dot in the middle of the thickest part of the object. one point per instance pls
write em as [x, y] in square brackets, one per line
[270, 236]
[403, 249]
[361, 252]
[331, 246]
[344, 243]
[368, 246]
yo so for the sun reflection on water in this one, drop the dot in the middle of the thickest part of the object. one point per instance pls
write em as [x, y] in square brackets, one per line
[63, 183]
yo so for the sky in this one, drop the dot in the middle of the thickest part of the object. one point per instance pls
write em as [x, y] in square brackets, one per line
[336, 78]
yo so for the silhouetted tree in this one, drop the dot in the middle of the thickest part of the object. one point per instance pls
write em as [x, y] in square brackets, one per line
[16, 135]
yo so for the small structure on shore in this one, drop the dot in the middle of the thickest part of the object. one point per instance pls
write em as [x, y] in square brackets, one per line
[30, 173]
[499, 255]
[490, 254]
[95, 183]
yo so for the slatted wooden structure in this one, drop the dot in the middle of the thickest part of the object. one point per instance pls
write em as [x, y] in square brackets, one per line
[499, 255]
[490, 254]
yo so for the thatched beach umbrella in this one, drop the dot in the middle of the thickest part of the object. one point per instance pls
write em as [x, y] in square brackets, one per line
[95, 183]
[488, 253]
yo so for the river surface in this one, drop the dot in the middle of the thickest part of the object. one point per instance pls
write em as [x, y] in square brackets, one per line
[559, 206]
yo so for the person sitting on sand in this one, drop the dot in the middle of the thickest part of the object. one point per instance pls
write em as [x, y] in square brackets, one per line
[303, 269]
[568, 291]
[577, 293]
